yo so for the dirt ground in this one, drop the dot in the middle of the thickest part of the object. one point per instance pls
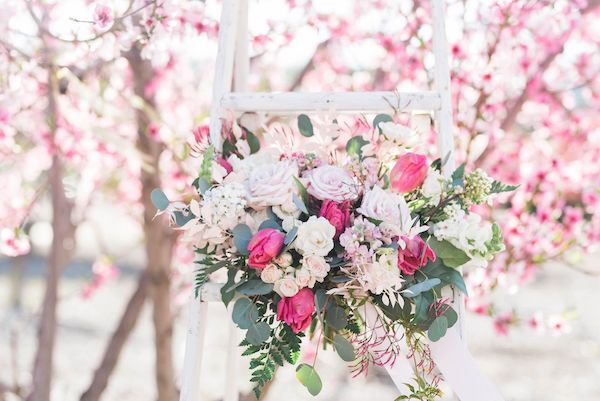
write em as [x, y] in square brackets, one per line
[525, 366]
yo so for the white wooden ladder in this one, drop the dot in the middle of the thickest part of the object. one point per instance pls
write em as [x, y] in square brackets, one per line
[232, 67]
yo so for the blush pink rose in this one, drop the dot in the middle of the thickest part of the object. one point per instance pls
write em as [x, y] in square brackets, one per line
[331, 182]
[415, 255]
[338, 214]
[264, 246]
[297, 311]
[409, 172]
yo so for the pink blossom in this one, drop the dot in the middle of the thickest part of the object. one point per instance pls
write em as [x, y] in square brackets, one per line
[103, 15]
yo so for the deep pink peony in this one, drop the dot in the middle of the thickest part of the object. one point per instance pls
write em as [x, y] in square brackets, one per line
[416, 254]
[338, 214]
[297, 311]
[264, 246]
[409, 172]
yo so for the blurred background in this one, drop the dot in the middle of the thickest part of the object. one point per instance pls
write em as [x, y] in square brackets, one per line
[99, 101]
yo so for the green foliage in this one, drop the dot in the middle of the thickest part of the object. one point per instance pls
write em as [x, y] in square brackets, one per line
[253, 142]
[206, 165]
[420, 391]
[335, 315]
[206, 266]
[438, 328]
[448, 275]
[283, 345]
[450, 255]
[290, 236]
[498, 187]
[302, 190]
[159, 199]
[381, 118]
[418, 288]
[300, 204]
[305, 126]
[354, 146]
[241, 237]
[255, 287]
[344, 348]
[458, 177]
[496, 244]
[308, 376]
[269, 223]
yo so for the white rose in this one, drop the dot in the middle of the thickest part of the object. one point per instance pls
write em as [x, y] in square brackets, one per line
[433, 186]
[316, 265]
[289, 222]
[271, 184]
[286, 287]
[331, 182]
[400, 134]
[284, 260]
[271, 274]
[315, 237]
[384, 205]
[304, 278]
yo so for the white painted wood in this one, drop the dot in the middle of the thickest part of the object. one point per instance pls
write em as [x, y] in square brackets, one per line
[224, 66]
[444, 123]
[241, 65]
[295, 102]
[190, 382]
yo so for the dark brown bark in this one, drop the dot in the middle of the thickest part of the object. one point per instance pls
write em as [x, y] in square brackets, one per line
[159, 237]
[60, 254]
[117, 341]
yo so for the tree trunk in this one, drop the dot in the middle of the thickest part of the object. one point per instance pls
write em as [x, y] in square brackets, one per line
[159, 238]
[60, 254]
[117, 341]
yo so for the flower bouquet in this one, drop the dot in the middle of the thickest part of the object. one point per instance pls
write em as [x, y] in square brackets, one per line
[356, 245]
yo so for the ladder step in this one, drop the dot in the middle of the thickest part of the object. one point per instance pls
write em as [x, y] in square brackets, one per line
[297, 102]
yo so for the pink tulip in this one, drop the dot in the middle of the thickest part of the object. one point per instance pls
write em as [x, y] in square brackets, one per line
[415, 255]
[409, 172]
[297, 311]
[264, 246]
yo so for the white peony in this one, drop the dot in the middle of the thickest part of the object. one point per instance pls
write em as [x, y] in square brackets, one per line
[331, 183]
[271, 184]
[271, 274]
[315, 237]
[316, 265]
[433, 186]
[399, 134]
[287, 286]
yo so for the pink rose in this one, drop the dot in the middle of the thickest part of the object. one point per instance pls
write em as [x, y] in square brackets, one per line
[338, 215]
[271, 184]
[331, 182]
[409, 172]
[415, 254]
[264, 246]
[297, 311]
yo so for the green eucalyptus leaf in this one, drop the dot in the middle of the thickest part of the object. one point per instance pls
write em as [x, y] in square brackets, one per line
[438, 328]
[226, 294]
[299, 204]
[451, 316]
[241, 237]
[416, 289]
[344, 348]
[305, 126]
[320, 299]
[309, 378]
[244, 313]
[302, 190]
[335, 316]
[269, 224]
[159, 199]
[290, 236]
[255, 287]
[258, 333]
[202, 185]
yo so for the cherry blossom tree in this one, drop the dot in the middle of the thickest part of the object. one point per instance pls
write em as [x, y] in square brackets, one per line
[99, 98]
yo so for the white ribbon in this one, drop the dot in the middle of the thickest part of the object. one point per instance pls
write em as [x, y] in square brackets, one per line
[452, 358]
[460, 371]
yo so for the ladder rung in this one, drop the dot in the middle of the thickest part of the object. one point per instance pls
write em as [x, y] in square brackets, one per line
[295, 102]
